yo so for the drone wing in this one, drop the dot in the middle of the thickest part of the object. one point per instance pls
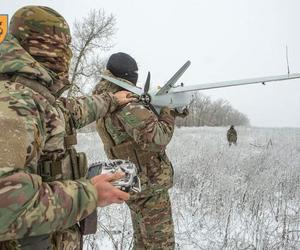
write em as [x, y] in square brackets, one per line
[124, 85]
[169, 84]
[182, 96]
[224, 84]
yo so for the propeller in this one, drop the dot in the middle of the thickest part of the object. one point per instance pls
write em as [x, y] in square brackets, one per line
[145, 98]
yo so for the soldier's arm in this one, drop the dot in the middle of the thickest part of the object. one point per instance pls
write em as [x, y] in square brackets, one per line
[145, 127]
[29, 206]
[87, 109]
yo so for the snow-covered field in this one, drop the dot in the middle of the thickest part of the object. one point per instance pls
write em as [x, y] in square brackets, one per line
[240, 197]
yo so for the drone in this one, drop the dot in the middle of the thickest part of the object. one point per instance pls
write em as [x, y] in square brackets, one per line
[180, 96]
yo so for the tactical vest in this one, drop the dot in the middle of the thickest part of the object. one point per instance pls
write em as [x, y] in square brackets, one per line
[72, 166]
[128, 150]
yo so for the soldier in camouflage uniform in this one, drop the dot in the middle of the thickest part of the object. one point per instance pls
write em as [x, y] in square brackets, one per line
[231, 135]
[136, 133]
[43, 194]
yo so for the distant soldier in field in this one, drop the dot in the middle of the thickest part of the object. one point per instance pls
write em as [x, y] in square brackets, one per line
[231, 135]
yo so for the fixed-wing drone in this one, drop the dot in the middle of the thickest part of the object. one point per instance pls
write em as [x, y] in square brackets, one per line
[181, 96]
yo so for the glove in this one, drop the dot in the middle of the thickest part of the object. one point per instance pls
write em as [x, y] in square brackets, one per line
[175, 112]
[182, 113]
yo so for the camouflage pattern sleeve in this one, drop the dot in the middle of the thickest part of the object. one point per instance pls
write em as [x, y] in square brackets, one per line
[145, 127]
[87, 109]
[29, 206]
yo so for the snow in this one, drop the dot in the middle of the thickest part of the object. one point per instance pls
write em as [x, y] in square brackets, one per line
[238, 197]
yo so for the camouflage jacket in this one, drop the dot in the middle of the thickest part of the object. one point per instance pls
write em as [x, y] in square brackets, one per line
[134, 132]
[231, 135]
[32, 131]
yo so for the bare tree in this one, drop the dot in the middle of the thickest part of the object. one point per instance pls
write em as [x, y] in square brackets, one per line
[91, 36]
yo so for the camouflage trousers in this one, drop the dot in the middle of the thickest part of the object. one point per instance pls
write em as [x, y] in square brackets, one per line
[152, 222]
[69, 239]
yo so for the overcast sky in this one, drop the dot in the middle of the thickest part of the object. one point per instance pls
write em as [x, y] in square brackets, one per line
[225, 40]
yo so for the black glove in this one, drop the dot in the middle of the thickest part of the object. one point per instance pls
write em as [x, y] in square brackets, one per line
[183, 113]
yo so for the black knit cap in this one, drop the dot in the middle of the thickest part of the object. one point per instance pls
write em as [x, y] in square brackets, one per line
[124, 66]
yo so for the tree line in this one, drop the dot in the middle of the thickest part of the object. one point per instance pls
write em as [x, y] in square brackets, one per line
[205, 112]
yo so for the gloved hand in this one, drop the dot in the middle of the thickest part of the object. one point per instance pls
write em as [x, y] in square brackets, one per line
[181, 113]
[175, 112]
